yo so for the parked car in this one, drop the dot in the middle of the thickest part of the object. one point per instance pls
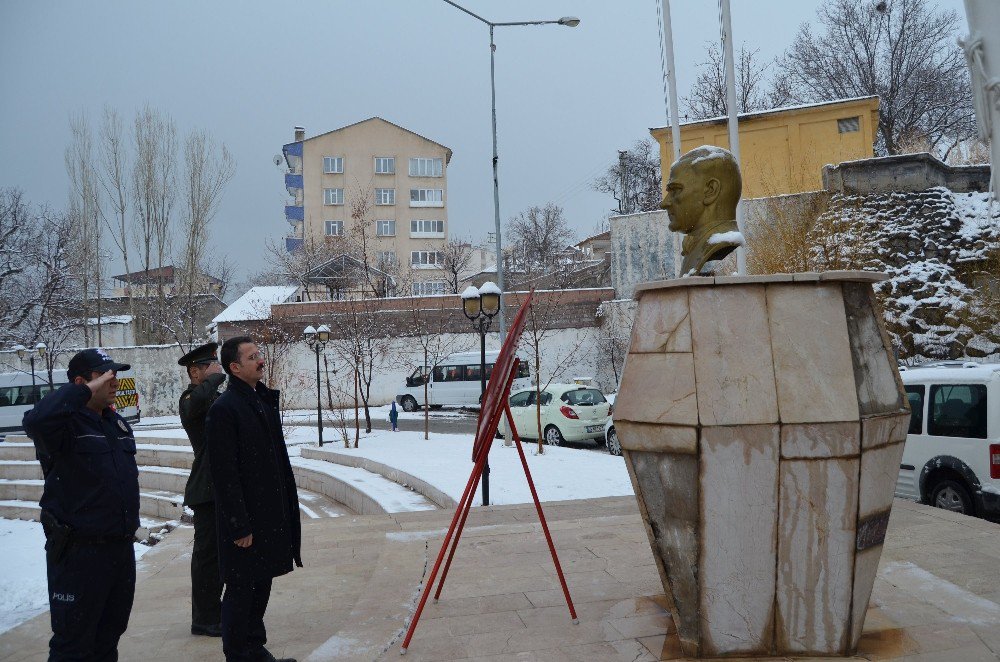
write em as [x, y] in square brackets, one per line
[455, 381]
[952, 454]
[18, 395]
[570, 412]
[611, 441]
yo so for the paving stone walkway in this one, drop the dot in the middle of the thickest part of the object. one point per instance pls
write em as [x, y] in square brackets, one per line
[936, 597]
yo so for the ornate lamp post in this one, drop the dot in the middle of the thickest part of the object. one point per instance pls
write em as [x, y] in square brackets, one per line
[23, 352]
[567, 21]
[317, 339]
[480, 306]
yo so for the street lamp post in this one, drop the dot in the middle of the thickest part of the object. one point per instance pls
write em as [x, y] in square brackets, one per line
[23, 352]
[568, 21]
[480, 306]
[317, 339]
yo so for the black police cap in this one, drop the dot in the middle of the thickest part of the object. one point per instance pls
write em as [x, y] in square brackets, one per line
[92, 360]
[202, 354]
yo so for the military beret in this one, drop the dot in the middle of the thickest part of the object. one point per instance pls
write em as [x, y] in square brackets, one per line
[203, 354]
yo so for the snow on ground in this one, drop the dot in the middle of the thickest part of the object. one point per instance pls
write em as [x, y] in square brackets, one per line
[445, 461]
[307, 416]
[23, 589]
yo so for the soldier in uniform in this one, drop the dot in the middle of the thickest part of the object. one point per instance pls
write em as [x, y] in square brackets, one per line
[90, 508]
[206, 377]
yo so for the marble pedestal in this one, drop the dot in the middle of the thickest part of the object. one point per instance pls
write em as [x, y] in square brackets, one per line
[762, 420]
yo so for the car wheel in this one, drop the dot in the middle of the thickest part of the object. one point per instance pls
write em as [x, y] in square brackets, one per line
[409, 403]
[553, 437]
[614, 446]
[952, 495]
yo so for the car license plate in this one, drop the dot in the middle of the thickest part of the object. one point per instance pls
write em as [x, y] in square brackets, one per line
[594, 428]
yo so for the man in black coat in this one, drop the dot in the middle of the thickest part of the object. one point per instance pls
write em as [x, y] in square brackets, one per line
[256, 501]
[206, 377]
[90, 508]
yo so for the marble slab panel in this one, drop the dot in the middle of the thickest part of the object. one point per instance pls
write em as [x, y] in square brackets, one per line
[732, 351]
[883, 430]
[816, 539]
[658, 388]
[802, 440]
[865, 569]
[661, 323]
[875, 374]
[667, 489]
[642, 289]
[739, 479]
[657, 438]
[879, 471]
[812, 361]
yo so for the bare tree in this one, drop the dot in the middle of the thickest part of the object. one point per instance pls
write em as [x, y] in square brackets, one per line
[457, 254]
[113, 174]
[85, 211]
[754, 89]
[206, 174]
[634, 179]
[905, 52]
[537, 235]
[154, 194]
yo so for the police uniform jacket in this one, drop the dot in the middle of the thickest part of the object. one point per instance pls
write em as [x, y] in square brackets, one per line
[193, 408]
[253, 484]
[88, 460]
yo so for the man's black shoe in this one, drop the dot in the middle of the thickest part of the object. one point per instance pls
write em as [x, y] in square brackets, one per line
[266, 656]
[213, 630]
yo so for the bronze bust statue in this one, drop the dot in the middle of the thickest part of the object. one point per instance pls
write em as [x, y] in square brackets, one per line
[702, 193]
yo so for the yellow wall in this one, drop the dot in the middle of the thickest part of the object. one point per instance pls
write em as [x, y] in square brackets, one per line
[783, 151]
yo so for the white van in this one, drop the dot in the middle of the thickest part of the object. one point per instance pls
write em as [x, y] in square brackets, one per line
[952, 454]
[17, 395]
[454, 381]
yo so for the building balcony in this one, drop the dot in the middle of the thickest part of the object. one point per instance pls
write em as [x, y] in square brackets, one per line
[437, 203]
[293, 156]
[294, 213]
[425, 266]
[293, 184]
[426, 235]
[293, 244]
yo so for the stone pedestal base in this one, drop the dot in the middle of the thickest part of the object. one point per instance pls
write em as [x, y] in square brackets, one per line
[763, 422]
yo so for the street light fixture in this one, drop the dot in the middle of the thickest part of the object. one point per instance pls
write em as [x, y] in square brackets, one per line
[568, 21]
[317, 339]
[481, 306]
[23, 352]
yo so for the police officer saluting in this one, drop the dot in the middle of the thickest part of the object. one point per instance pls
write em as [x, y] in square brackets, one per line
[90, 508]
[206, 377]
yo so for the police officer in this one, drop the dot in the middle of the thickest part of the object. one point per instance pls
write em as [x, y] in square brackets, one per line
[90, 508]
[206, 377]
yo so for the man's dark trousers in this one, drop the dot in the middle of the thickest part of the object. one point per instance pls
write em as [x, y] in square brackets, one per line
[206, 584]
[243, 607]
[90, 597]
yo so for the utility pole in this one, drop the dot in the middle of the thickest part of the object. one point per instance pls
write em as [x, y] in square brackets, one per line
[622, 204]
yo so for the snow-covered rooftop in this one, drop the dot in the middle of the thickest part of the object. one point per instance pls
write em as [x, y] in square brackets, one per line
[256, 303]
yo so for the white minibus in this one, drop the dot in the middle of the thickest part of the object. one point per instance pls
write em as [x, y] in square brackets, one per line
[18, 395]
[454, 381]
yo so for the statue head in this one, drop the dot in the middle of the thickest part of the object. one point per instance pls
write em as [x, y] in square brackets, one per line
[703, 189]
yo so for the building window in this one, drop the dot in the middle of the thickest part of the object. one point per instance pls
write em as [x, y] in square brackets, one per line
[333, 165]
[385, 228]
[426, 167]
[385, 165]
[333, 196]
[424, 229]
[423, 288]
[334, 228]
[385, 196]
[849, 125]
[426, 259]
[426, 197]
[386, 259]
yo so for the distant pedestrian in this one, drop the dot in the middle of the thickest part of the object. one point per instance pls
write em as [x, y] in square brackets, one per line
[393, 415]
[206, 377]
[256, 501]
[90, 508]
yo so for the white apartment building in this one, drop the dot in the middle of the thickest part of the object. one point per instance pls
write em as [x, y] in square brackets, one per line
[403, 177]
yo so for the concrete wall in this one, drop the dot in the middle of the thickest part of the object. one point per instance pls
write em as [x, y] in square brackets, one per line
[904, 173]
[642, 248]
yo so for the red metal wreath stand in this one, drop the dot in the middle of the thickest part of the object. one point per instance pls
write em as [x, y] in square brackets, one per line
[494, 406]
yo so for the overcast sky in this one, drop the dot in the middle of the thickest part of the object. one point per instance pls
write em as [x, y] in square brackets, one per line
[248, 71]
